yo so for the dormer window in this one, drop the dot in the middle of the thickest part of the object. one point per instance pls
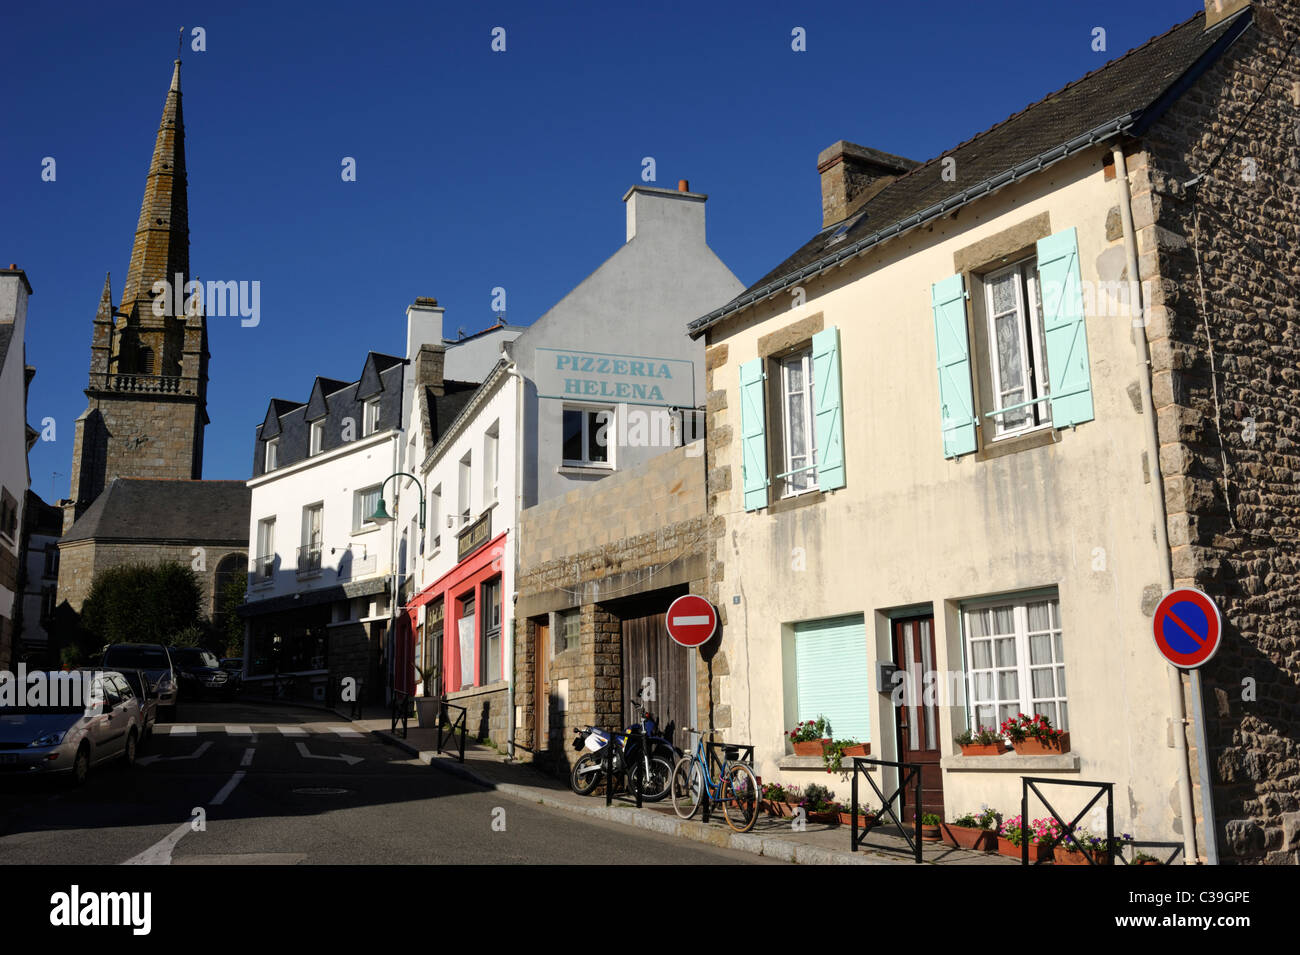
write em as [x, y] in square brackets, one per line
[370, 417]
[317, 436]
[272, 454]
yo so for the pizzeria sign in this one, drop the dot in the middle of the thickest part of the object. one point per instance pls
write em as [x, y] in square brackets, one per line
[634, 379]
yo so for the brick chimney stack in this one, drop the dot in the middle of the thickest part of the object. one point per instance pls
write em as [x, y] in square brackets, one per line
[428, 367]
[852, 174]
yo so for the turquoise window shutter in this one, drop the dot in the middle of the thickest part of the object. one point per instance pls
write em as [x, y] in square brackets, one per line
[829, 421]
[753, 434]
[831, 675]
[956, 401]
[1061, 291]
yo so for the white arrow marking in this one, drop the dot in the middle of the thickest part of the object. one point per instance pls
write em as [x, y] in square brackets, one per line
[345, 758]
[248, 757]
[227, 789]
[690, 621]
[161, 853]
[146, 760]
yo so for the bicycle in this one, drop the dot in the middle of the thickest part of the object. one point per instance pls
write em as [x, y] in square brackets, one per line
[736, 786]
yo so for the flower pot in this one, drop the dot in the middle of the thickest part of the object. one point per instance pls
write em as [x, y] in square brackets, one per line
[857, 749]
[813, 747]
[1036, 853]
[1147, 862]
[970, 837]
[930, 833]
[787, 809]
[846, 818]
[426, 711]
[825, 818]
[1037, 747]
[982, 749]
[1063, 856]
[774, 808]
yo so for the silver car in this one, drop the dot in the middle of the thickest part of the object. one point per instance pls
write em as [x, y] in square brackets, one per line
[55, 736]
[154, 659]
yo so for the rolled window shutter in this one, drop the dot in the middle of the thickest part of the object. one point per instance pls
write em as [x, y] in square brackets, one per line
[828, 422]
[753, 435]
[1066, 334]
[832, 677]
[952, 346]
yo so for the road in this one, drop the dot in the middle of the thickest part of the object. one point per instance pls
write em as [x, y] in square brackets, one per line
[237, 784]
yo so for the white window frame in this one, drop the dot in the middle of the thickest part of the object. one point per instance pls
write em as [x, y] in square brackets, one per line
[793, 484]
[265, 548]
[465, 488]
[1025, 701]
[591, 414]
[307, 511]
[272, 454]
[491, 464]
[360, 514]
[1029, 322]
[316, 441]
[435, 518]
[563, 619]
[370, 417]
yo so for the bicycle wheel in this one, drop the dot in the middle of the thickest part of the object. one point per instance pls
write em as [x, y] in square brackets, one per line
[586, 774]
[740, 797]
[661, 774]
[687, 787]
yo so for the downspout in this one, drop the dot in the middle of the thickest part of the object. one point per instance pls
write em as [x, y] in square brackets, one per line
[513, 540]
[393, 598]
[1176, 701]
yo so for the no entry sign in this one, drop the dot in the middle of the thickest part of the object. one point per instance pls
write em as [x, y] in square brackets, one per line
[1187, 628]
[691, 620]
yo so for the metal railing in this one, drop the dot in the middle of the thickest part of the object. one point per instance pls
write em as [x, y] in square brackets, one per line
[908, 774]
[401, 712]
[731, 752]
[449, 728]
[309, 559]
[1028, 783]
[263, 566]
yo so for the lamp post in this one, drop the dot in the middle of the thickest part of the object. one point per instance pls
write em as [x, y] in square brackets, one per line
[381, 517]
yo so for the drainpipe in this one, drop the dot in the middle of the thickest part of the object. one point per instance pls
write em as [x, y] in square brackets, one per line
[1176, 700]
[513, 540]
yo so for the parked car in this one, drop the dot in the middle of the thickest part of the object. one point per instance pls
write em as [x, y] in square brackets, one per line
[234, 666]
[154, 660]
[200, 673]
[72, 738]
[143, 690]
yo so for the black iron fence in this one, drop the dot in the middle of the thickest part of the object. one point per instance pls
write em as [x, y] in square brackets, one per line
[452, 730]
[1030, 784]
[909, 774]
[731, 753]
[401, 713]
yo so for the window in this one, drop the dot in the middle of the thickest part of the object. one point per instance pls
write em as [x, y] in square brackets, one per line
[1015, 661]
[490, 656]
[8, 515]
[465, 637]
[51, 560]
[798, 436]
[364, 504]
[264, 563]
[831, 675]
[272, 454]
[465, 468]
[586, 436]
[435, 518]
[48, 593]
[317, 437]
[370, 417]
[490, 466]
[1017, 364]
[309, 554]
[569, 630]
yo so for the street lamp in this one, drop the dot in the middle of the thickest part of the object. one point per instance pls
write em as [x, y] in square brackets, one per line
[381, 517]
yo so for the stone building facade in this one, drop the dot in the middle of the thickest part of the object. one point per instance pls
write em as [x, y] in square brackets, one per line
[1216, 199]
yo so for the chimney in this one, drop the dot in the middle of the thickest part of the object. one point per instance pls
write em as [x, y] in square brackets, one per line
[423, 324]
[675, 215]
[428, 367]
[14, 289]
[1216, 11]
[852, 174]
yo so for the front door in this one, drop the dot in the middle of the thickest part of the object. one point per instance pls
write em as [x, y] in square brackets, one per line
[542, 688]
[656, 670]
[918, 715]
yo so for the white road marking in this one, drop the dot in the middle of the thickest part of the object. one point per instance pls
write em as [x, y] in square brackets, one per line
[689, 621]
[291, 731]
[345, 758]
[180, 730]
[161, 852]
[227, 789]
[239, 731]
[203, 748]
[347, 731]
[248, 757]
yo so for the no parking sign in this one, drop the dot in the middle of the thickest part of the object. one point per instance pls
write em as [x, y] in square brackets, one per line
[1187, 628]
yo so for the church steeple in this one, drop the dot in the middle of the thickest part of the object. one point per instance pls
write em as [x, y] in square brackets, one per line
[162, 235]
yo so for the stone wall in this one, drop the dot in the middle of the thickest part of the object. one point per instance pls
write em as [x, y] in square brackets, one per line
[1225, 348]
[79, 561]
[486, 715]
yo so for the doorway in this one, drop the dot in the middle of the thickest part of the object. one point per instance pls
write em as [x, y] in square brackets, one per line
[917, 717]
[541, 688]
[655, 668]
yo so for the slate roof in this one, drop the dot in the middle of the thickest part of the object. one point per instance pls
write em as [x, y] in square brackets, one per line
[152, 509]
[1123, 96]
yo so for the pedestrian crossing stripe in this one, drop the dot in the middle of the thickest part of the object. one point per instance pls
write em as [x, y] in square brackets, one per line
[348, 732]
[291, 731]
[180, 730]
[239, 731]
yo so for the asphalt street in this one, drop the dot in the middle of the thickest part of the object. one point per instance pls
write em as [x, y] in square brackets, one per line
[238, 784]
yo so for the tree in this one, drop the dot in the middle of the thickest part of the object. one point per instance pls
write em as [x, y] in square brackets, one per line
[143, 603]
[230, 626]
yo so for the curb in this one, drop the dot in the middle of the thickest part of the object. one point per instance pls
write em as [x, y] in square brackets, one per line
[760, 845]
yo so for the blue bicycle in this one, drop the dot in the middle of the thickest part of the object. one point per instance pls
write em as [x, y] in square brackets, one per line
[736, 786]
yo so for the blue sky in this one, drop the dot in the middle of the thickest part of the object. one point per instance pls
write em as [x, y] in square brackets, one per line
[475, 169]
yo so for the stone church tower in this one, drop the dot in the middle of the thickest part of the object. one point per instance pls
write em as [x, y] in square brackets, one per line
[147, 395]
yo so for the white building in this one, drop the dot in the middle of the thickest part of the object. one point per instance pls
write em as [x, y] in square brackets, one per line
[16, 439]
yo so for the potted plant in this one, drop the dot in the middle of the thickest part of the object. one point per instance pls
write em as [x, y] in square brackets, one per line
[811, 737]
[976, 831]
[774, 799]
[426, 706]
[930, 827]
[864, 816]
[834, 753]
[1011, 836]
[793, 797]
[1067, 849]
[820, 806]
[1142, 858]
[984, 741]
[1034, 735]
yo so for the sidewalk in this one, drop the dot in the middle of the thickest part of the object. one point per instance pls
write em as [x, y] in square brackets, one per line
[817, 845]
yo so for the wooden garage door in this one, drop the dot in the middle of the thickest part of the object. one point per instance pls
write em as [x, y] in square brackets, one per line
[648, 652]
